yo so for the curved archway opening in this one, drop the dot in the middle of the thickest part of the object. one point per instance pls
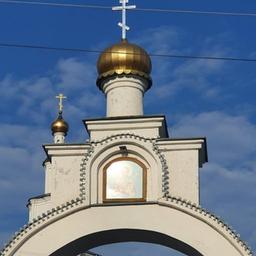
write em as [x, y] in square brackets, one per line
[91, 241]
[134, 249]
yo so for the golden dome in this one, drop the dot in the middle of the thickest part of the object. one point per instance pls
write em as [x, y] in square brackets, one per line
[124, 59]
[59, 125]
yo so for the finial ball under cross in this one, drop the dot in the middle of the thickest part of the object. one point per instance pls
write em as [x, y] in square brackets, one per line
[61, 97]
[123, 8]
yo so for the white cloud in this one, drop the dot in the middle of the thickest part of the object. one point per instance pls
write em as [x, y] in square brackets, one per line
[160, 40]
[228, 181]
[74, 74]
[230, 193]
[21, 173]
[34, 97]
[230, 138]
[174, 75]
[22, 136]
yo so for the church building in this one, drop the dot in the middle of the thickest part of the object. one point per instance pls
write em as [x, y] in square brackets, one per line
[130, 181]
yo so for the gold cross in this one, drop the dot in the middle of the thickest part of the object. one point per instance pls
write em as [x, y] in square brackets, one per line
[61, 97]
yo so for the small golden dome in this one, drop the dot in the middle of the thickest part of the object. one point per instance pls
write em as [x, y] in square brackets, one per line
[59, 125]
[124, 59]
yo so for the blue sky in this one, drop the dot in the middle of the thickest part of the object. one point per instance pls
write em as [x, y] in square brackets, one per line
[215, 99]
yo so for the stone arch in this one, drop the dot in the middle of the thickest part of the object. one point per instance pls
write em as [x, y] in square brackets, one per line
[189, 230]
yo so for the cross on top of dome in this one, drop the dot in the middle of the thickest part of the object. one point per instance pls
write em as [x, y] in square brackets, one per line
[123, 8]
[61, 97]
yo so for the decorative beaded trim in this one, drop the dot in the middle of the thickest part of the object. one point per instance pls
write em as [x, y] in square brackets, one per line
[83, 181]
[121, 136]
[205, 213]
[165, 170]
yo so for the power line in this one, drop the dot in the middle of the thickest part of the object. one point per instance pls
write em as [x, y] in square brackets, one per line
[197, 12]
[56, 4]
[178, 11]
[41, 47]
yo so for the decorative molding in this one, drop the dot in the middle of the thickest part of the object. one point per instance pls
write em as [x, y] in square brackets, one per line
[111, 75]
[83, 181]
[121, 136]
[156, 150]
[216, 219]
[165, 170]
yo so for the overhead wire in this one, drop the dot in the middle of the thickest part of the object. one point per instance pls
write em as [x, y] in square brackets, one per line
[195, 12]
[177, 11]
[55, 4]
[220, 58]
[41, 47]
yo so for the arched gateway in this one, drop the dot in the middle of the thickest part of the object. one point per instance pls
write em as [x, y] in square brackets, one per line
[129, 182]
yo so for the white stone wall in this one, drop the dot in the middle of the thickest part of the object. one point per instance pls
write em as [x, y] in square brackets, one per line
[172, 165]
[125, 96]
[182, 157]
[65, 178]
[62, 177]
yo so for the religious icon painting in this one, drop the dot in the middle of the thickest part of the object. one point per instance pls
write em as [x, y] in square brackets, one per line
[124, 180]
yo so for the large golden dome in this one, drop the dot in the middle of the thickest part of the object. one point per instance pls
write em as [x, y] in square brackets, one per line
[59, 125]
[124, 58]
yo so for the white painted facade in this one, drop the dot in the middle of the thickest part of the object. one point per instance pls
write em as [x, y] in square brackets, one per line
[177, 161]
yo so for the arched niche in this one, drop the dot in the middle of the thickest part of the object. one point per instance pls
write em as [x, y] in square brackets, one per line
[141, 153]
